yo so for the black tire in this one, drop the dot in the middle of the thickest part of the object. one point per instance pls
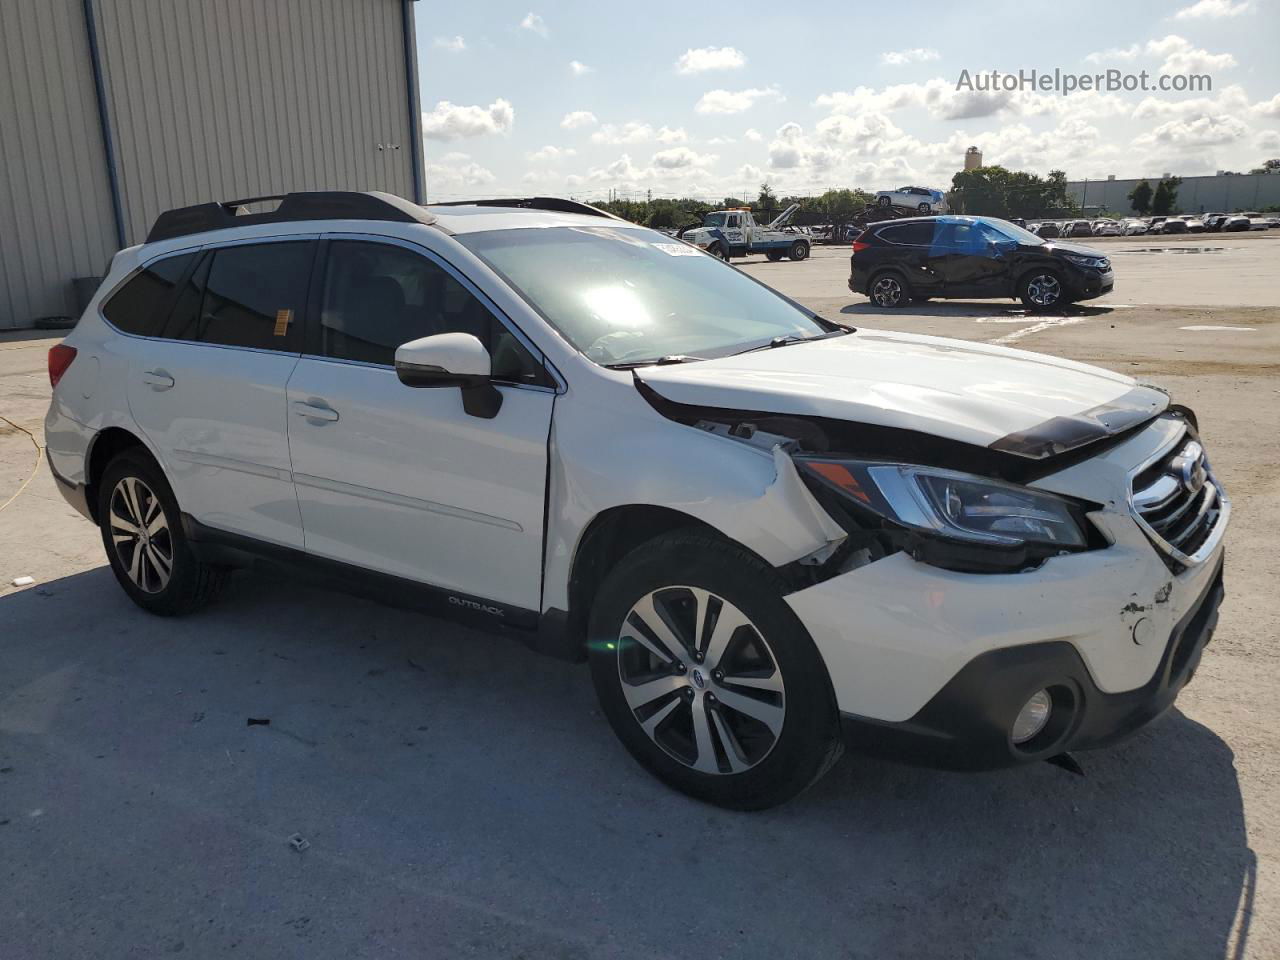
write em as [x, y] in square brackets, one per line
[773, 255]
[808, 742]
[924, 208]
[1036, 290]
[889, 290]
[798, 251]
[884, 202]
[191, 584]
[718, 249]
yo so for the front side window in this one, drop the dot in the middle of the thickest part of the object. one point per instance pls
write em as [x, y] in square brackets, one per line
[911, 234]
[140, 305]
[715, 220]
[378, 296]
[735, 221]
[626, 295]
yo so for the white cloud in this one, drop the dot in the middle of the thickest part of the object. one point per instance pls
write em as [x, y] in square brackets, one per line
[734, 101]
[577, 119]
[1268, 108]
[1181, 57]
[1202, 131]
[1212, 10]
[1269, 141]
[679, 158]
[1232, 99]
[896, 58]
[452, 44]
[1115, 53]
[457, 170]
[580, 69]
[535, 23]
[710, 58]
[753, 135]
[637, 132]
[550, 154]
[720, 141]
[452, 122]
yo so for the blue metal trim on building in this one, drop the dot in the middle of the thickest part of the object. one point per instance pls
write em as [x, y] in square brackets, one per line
[415, 107]
[104, 121]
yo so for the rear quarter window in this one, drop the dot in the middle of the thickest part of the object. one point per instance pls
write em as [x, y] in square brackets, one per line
[141, 305]
[919, 234]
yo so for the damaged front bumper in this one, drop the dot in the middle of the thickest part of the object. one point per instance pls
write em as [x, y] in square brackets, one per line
[966, 725]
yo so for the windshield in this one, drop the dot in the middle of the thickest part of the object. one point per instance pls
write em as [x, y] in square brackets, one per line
[625, 295]
[1014, 232]
[714, 220]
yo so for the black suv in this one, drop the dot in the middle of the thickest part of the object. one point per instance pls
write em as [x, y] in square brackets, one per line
[922, 257]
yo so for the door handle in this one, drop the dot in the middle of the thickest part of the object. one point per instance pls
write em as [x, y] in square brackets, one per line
[314, 411]
[157, 380]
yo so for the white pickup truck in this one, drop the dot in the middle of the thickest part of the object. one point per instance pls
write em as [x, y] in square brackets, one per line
[735, 233]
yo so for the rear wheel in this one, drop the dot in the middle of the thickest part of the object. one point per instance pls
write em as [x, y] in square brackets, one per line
[1041, 290]
[888, 290]
[799, 250]
[708, 677]
[142, 533]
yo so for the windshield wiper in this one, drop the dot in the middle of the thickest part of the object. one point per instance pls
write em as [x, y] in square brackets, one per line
[788, 340]
[653, 362]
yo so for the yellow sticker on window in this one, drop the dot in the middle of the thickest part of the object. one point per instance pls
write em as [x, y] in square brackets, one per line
[283, 317]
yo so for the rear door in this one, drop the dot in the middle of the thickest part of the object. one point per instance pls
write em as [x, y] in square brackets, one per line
[209, 389]
[908, 246]
[402, 480]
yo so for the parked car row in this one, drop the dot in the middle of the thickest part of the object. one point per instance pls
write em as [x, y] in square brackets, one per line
[1137, 226]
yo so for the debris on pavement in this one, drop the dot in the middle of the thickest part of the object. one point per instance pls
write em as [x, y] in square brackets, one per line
[299, 842]
[257, 721]
[23, 581]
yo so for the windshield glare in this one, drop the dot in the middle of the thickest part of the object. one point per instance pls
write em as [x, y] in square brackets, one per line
[1014, 232]
[625, 295]
[714, 220]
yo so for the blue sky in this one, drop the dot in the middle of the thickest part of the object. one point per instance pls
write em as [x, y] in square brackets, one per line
[705, 99]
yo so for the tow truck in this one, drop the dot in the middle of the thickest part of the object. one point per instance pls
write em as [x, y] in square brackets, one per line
[735, 233]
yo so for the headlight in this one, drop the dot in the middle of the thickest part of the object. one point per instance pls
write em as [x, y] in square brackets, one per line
[1097, 263]
[955, 506]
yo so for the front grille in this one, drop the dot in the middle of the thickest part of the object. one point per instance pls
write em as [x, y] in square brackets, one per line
[1178, 502]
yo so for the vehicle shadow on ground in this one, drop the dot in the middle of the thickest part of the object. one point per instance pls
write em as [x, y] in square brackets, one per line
[459, 791]
[976, 308]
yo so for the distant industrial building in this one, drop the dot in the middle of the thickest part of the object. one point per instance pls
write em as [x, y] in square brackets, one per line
[112, 111]
[1224, 193]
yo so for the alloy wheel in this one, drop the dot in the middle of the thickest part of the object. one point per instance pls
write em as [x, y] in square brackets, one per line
[887, 292]
[1044, 290]
[701, 680]
[140, 534]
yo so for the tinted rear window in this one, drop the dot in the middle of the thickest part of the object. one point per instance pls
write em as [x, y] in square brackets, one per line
[910, 233]
[139, 307]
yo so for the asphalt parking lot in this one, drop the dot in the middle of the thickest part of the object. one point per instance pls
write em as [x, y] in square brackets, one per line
[463, 797]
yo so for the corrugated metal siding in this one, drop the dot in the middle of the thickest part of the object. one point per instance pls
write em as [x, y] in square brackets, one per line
[223, 99]
[55, 206]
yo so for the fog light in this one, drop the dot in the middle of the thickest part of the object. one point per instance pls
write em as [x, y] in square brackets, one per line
[1032, 717]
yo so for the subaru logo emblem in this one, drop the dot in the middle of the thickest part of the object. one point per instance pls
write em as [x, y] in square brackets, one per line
[1188, 465]
[698, 681]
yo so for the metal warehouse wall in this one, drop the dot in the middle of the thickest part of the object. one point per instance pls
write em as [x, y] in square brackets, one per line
[223, 99]
[1195, 194]
[55, 207]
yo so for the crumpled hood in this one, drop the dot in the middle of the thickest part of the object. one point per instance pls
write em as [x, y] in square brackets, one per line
[1019, 402]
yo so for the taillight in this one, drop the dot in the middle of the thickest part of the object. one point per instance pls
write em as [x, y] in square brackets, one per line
[859, 246]
[60, 357]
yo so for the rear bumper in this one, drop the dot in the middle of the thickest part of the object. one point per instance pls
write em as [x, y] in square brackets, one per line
[74, 493]
[965, 726]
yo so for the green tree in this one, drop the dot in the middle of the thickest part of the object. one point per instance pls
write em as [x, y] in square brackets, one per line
[766, 203]
[1140, 198]
[1165, 199]
[1268, 166]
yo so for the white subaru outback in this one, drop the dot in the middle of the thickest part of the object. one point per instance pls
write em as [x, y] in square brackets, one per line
[770, 534]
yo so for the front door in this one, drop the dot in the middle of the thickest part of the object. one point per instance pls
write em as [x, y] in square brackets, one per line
[403, 480]
[208, 389]
[968, 261]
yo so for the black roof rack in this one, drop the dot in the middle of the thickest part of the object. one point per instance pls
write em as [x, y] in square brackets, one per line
[556, 204]
[314, 205]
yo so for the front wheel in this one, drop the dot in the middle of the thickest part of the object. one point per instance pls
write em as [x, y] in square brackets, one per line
[884, 201]
[146, 547]
[720, 250]
[799, 250]
[924, 208]
[707, 676]
[1041, 290]
[773, 255]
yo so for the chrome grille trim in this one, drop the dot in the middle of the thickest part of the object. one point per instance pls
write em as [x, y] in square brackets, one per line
[1185, 485]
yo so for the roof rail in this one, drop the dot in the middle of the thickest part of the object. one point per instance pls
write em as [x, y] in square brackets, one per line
[313, 205]
[556, 204]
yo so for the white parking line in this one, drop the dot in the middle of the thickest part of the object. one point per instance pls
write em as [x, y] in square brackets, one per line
[1215, 326]
[1037, 328]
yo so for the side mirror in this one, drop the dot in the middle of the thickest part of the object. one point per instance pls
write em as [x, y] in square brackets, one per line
[451, 360]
